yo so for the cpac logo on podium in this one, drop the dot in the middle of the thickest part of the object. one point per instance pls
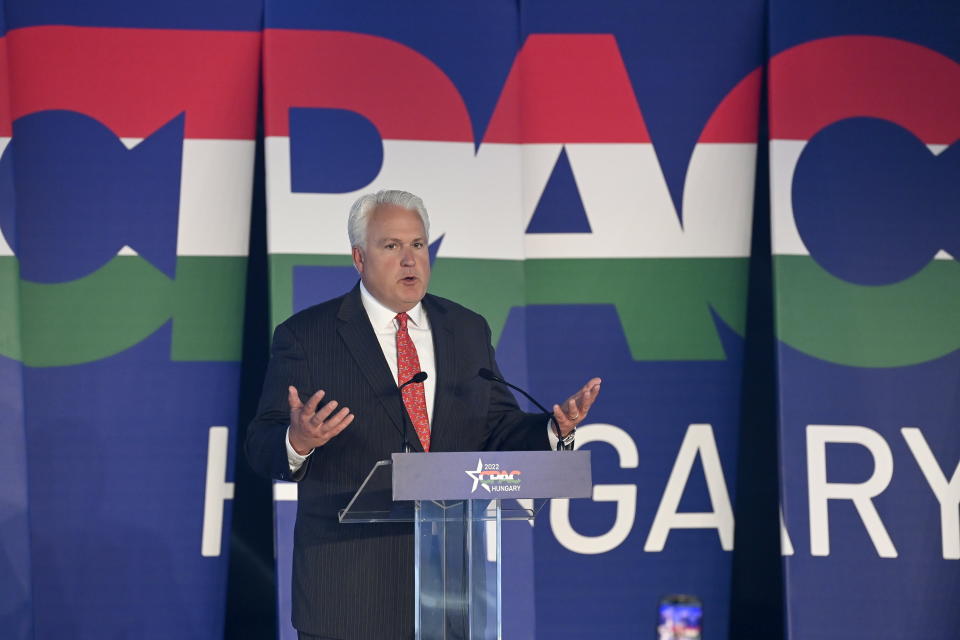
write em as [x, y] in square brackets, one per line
[493, 479]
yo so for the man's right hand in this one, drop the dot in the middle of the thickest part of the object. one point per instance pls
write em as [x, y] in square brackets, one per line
[310, 428]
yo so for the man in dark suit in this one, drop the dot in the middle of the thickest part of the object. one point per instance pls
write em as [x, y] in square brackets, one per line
[356, 581]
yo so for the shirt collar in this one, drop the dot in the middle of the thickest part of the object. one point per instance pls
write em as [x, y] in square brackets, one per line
[382, 317]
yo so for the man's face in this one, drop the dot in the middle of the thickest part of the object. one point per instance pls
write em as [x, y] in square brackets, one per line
[395, 266]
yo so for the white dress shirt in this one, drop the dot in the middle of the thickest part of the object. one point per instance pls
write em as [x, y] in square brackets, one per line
[385, 327]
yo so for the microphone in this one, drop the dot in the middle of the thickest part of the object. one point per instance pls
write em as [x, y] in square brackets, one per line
[486, 374]
[418, 377]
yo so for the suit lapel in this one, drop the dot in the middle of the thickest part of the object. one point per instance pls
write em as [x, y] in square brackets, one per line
[358, 336]
[445, 357]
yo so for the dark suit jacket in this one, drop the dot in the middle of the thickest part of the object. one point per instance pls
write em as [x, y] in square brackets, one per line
[355, 581]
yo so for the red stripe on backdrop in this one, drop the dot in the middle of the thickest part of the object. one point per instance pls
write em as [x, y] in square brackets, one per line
[404, 94]
[736, 117]
[135, 80]
[568, 88]
[820, 82]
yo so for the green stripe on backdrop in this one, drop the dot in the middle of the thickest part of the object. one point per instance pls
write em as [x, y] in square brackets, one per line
[120, 305]
[281, 279]
[10, 307]
[489, 287]
[912, 321]
[664, 304]
[208, 309]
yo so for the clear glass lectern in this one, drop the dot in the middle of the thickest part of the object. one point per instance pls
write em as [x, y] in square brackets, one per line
[455, 502]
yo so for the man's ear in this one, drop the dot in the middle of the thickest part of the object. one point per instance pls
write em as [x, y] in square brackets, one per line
[357, 259]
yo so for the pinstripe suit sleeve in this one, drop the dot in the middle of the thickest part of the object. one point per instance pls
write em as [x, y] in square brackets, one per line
[266, 436]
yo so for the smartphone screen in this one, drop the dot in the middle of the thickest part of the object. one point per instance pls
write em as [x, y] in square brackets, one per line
[680, 618]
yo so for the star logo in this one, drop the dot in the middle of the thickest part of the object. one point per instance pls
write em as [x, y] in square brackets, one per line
[476, 476]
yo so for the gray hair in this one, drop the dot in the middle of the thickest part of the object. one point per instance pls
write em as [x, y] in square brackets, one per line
[367, 203]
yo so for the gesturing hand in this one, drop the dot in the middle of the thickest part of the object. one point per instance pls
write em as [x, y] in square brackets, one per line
[311, 428]
[574, 409]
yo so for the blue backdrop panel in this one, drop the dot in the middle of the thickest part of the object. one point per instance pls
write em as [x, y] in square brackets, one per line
[868, 367]
[111, 389]
[555, 347]
[16, 615]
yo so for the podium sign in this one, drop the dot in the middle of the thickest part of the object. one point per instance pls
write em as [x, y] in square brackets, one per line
[491, 475]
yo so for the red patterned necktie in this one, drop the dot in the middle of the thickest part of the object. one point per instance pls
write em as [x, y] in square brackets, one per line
[408, 364]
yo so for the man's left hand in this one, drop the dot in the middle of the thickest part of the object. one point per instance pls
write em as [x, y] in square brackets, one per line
[575, 408]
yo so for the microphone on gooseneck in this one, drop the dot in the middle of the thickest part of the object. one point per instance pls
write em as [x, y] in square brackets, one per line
[486, 374]
[420, 376]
